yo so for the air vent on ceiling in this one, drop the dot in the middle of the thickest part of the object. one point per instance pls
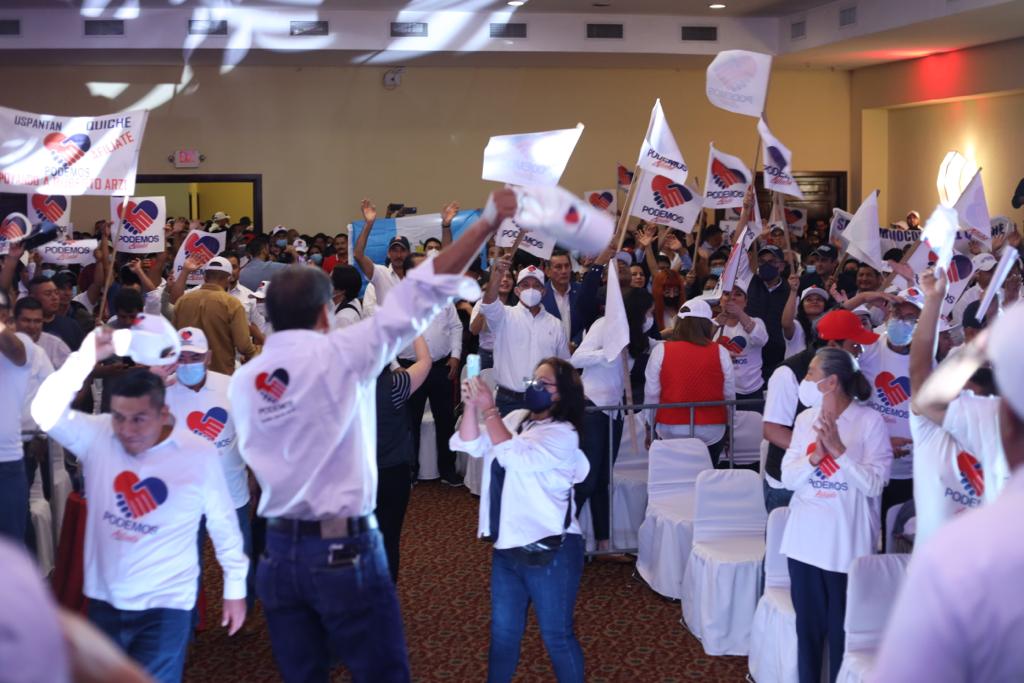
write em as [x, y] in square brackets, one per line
[798, 29]
[848, 16]
[104, 27]
[517, 30]
[207, 27]
[604, 31]
[707, 33]
[408, 29]
[10, 27]
[309, 28]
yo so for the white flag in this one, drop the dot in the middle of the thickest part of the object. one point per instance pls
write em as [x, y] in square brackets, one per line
[204, 245]
[54, 208]
[862, 232]
[939, 235]
[606, 200]
[616, 326]
[661, 200]
[778, 163]
[71, 252]
[737, 268]
[726, 181]
[535, 243]
[972, 210]
[796, 220]
[837, 227]
[141, 229]
[660, 154]
[737, 81]
[530, 158]
[1006, 263]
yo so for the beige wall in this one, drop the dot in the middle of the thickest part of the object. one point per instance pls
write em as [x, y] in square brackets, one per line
[323, 137]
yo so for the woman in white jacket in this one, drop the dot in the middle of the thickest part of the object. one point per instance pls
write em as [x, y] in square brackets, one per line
[532, 461]
[837, 465]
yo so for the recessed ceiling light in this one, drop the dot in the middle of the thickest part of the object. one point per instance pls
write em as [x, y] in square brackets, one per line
[714, 5]
[516, 3]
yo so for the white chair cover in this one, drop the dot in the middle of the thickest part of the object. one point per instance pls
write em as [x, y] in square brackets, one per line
[890, 526]
[666, 535]
[748, 432]
[632, 456]
[873, 584]
[773, 633]
[628, 509]
[763, 457]
[722, 582]
[42, 525]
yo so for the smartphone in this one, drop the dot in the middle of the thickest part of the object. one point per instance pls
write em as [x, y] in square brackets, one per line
[472, 366]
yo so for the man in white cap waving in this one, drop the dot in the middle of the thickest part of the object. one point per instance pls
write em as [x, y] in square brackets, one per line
[148, 480]
[524, 334]
[960, 614]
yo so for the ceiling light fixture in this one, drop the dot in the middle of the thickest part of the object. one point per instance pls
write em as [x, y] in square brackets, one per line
[716, 5]
[516, 3]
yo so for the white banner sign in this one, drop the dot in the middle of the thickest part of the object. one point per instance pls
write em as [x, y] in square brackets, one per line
[203, 245]
[837, 227]
[530, 158]
[896, 238]
[660, 154]
[661, 200]
[141, 229]
[538, 244]
[73, 252]
[737, 81]
[53, 208]
[70, 155]
[13, 228]
[726, 181]
[606, 200]
[778, 163]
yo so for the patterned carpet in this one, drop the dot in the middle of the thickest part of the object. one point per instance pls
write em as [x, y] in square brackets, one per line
[628, 632]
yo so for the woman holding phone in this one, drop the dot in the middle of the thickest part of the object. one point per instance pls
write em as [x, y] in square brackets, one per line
[532, 461]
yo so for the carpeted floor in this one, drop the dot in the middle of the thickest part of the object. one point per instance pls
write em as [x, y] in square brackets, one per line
[628, 632]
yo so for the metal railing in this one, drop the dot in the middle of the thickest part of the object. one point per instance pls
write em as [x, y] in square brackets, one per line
[730, 420]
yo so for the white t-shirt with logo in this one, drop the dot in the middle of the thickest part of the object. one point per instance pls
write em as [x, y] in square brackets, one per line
[974, 422]
[889, 376]
[834, 513]
[207, 413]
[745, 350]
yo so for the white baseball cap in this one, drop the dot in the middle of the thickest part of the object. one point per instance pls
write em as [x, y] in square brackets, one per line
[218, 264]
[984, 262]
[193, 340]
[814, 291]
[1007, 360]
[220, 215]
[300, 246]
[151, 340]
[695, 308]
[261, 291]
[530, 271]
[912, 295]
[277, 229]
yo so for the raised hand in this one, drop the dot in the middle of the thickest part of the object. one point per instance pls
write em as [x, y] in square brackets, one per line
[672, 242]
[933, 283]
[903, 270]
[794, 282]
[368, 209]
[448, 213]
[645, 236]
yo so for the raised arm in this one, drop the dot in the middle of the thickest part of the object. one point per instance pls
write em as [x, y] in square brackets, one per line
[789, 311]
[923, 344]
[419, 370]
[359, 252]
[11, 347]
[501, 266]
[176, 289]
[448, 214]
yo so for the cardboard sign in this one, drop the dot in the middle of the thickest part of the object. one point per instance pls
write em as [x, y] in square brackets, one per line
[141, 229]
[68, 253]
[202, 244]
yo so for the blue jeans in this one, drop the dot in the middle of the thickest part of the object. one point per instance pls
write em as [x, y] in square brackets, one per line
[552, 590]
[13, 501]
[316, 610]
[155, 638]
[775, 498]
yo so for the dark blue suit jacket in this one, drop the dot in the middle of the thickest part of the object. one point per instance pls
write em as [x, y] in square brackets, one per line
[582, 302]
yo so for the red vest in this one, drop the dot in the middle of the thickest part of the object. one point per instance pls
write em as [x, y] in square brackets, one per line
[690, 374]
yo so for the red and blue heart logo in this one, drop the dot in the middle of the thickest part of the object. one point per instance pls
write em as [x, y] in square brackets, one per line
[960, 268]
[601, 200]
[625, 175]
[67, 150]
[668, 193]
[572, 215]
[208, 425]
[726, 177]
[892, 390]
[734, 345]
[794, 216]
[272, 385]
[204, 247]
[138, 217]
[972, 476]
[736, 72]
[13, 227]
[777, 157]
[50, 208]
[138, 498]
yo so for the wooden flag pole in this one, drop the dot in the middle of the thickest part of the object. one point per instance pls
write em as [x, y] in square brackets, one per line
[906, 257]
[620, 229]
[109, 279]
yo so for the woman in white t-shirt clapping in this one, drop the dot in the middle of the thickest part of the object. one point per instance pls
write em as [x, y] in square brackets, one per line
[837, 465]
[743, 337]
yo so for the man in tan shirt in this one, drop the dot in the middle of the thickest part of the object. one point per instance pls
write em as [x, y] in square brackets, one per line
[219, 315]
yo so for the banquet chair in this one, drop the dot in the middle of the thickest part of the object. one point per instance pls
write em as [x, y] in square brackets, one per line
[773, 633]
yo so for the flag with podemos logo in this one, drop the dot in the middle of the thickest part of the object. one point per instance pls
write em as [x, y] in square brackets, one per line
[71, 252]
[778, 163]
[139, 224]
[972, 210]
[796, 220]
[837, 227]
[623, 177]
[727, 180]
[664, 201]
[659, 154]
[203, 246]
[530, 158]
[13, 229]
[737, 268]
[54, 208]
[606, 200]
[737, 81]
[60, 155]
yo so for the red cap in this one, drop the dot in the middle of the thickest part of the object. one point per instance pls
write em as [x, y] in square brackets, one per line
[841, 325]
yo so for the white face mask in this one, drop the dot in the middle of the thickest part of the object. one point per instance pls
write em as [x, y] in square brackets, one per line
[530, 297]
[809, 393]
[648, 322]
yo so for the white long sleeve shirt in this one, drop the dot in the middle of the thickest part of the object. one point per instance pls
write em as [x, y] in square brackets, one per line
[144, 510]
[486, 336]
[40, 368]
[310, 435]
[960, 616]
[834, 512]
[602, 380]
[15, 385]
[521, 340]
[207, 413]
[542, 463]
[709, 434]
[443, 336]
[745, 350]
[382, 282]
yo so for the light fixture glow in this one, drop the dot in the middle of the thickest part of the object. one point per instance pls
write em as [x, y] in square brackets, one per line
[516, 3]
[716, 5]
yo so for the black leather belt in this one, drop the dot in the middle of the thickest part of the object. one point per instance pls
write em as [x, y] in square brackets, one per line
[338, 527]
[508, 393]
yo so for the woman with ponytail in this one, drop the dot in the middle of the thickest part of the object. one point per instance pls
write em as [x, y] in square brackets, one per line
[837, 465]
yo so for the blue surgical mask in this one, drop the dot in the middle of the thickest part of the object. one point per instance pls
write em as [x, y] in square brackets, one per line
[900, 332]
[281, 243]
[811, 269]
[316, 258]
[191, 374]
[538, 398]
[717, 270]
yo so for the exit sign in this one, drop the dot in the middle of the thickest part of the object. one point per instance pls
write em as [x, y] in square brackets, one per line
[187, 158]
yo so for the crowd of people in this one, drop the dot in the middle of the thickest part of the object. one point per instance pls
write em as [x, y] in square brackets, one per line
[215, 418]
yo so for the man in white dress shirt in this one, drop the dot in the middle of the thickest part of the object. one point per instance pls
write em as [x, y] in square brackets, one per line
[382, 280]
[309, 437]
[15, 372]
[28, 319]
[959, 616]
[524, 334]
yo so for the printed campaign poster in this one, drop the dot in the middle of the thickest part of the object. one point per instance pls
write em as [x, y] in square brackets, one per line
[203, 245]
[605, 200]
[141, 229]
[70, 253]
[54, 208]
[59, 155]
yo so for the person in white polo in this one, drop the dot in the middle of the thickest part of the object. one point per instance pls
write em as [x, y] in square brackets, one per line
[524, 334]
[148, 480]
